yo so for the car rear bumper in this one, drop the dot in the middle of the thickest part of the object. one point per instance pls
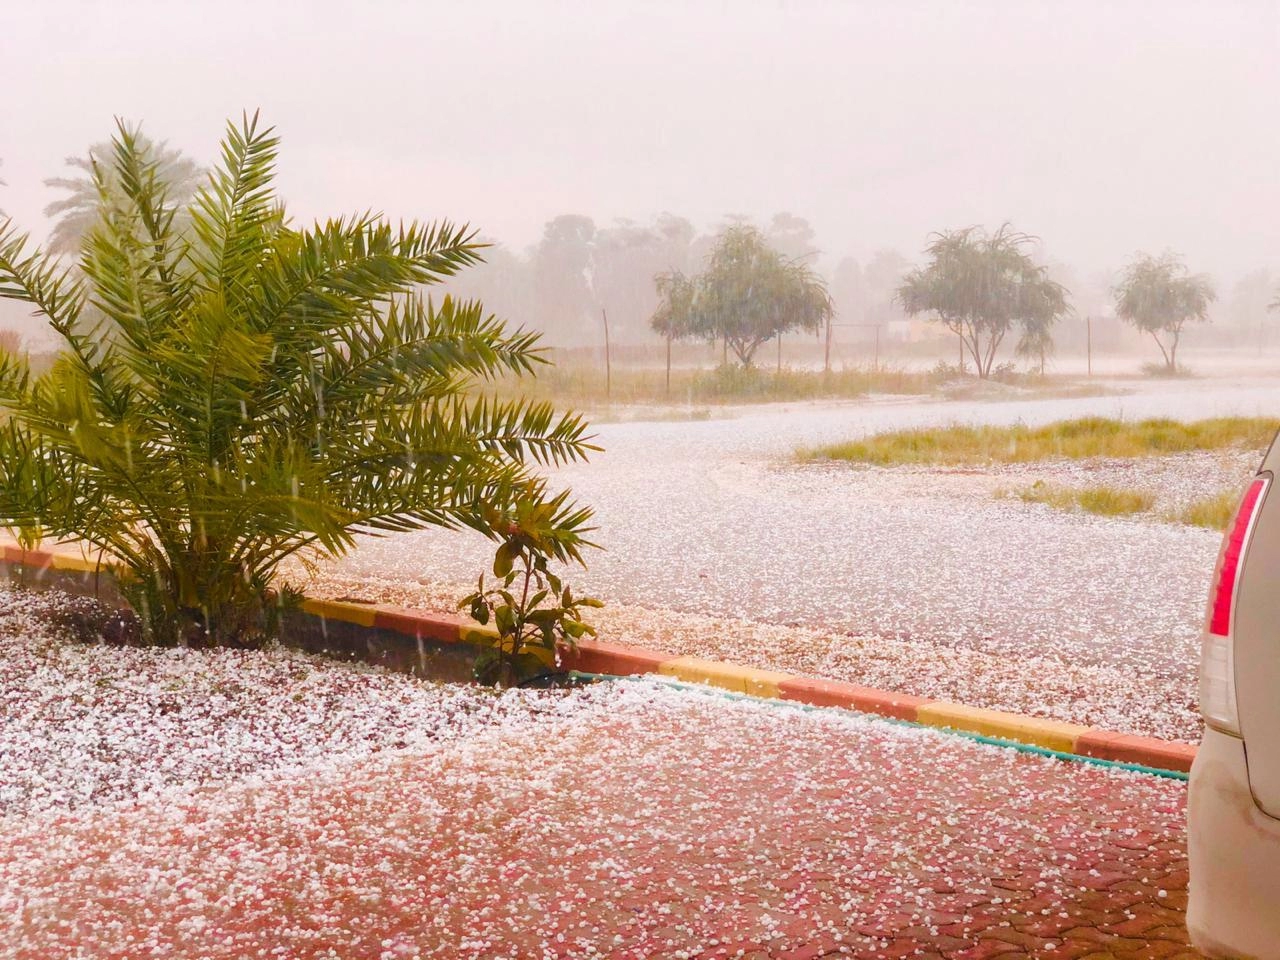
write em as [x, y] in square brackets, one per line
[1234, 851]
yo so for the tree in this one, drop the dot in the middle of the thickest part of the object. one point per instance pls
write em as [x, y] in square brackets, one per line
[624, 259]
[1247, 310]
[252, 390]
[565, 307]
[78, 213]
[979, 285]
[748, 295]
[792, 236]
[1036, 343]
[1160, 297]
[675, 310]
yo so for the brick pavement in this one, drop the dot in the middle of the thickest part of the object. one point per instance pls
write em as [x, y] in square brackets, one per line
[626, 821]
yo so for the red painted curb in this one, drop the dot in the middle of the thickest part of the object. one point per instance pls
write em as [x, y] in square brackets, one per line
[595, 656]
[598, 656]
[834, 693]
[28, 558]
[441, 627]
[1126, 748]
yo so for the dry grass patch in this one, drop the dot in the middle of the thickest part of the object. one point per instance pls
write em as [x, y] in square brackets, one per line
[1213, 513]
[1080, 439]
[581, 385]
[1105, 501]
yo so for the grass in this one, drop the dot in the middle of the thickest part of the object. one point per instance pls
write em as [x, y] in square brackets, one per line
[1105, 501]
[1213, 513]
[582, 386]
[1080, 439]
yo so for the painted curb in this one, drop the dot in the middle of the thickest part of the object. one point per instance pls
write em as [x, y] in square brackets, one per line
[602, 657]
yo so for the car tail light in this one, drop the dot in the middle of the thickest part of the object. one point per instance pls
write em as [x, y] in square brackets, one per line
[1217, 660]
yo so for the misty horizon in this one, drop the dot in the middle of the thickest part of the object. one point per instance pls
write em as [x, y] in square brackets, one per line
[1103, 130]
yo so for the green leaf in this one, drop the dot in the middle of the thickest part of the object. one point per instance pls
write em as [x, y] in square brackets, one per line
[503, 559]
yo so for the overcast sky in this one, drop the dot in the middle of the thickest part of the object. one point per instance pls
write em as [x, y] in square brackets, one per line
[1104, 128]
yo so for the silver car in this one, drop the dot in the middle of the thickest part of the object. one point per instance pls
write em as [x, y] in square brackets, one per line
[1234, 800]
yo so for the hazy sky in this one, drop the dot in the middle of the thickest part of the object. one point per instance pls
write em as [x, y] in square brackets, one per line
[1105, 128]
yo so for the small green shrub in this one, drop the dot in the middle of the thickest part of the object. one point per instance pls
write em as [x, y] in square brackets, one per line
[532, 609]
[1162, 371]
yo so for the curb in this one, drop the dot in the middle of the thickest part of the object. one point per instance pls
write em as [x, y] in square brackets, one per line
[602, 657]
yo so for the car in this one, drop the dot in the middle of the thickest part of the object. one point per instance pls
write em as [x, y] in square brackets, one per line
[1233, 806]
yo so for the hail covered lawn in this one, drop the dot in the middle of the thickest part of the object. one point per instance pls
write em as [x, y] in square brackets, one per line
[917, 580]
[82, 726]
[627, 820]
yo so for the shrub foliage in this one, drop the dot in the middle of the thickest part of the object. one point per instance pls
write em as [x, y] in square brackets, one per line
[235, 391]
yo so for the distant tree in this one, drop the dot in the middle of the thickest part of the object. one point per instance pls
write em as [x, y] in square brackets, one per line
[882, 276]
[1247, 310]
[79, 211]
[748, 295]
[501, 281]
[624, 259]
[562, 266]
[677, 235]
[792, 237]
[675, 311]
[978, 285]
[1160, 297]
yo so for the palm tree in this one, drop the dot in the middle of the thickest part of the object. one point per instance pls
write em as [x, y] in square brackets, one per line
[250, 390]
[78, 212]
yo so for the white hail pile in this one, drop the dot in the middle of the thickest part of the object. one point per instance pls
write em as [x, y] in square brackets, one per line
[91, 724]
[908, 579]
[1044, 683]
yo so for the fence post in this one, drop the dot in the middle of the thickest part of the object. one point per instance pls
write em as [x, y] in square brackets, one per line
[608, 369]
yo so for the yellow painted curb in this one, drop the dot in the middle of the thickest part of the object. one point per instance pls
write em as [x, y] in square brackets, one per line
[77, 563]
[1052, 734]
[358, 613]
[728, 676]
[482, 636]
[64, 557]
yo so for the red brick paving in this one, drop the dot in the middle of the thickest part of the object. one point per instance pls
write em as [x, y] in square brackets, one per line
[632, 823]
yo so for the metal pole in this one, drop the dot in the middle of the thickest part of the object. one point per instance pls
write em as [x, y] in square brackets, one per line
[1088, 342]
[826, 355]
[608, 369]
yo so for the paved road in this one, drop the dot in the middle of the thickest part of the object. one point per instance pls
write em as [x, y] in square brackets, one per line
[711, 517]
[629, 821]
